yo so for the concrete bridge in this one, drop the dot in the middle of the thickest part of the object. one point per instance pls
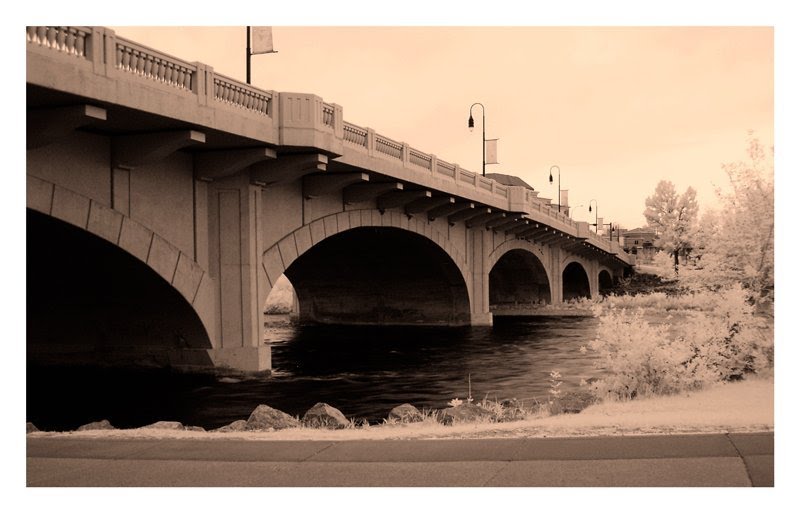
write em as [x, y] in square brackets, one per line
[165, 200]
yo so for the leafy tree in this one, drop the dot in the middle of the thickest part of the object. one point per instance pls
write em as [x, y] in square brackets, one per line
[738, 240]
[673, 218]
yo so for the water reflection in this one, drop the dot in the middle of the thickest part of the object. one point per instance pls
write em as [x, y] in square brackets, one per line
[362, 370]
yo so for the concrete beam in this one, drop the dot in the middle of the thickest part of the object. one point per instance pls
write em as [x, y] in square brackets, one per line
[287, 168]
[446, 210]
[467, 214]
[400, 198]
[500, 224]
[46, 126]
[426, 204]
[549, 238]
[315, 186]
[212, 165]
[130, 151]
[367, 191]
[534, 229]
[481, 220]
[524, 226]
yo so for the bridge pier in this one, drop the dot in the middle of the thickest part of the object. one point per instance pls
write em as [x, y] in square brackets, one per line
[235, 221]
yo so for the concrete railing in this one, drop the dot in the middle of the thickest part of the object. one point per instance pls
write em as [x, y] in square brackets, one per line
[70, 40]
[106, 53]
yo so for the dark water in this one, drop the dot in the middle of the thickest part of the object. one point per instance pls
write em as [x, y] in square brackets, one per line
[364, 371]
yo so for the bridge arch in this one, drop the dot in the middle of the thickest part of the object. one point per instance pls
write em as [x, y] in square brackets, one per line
[605, 282]
[575, 282]
[518, 275]
[91, 301]
[361, 267]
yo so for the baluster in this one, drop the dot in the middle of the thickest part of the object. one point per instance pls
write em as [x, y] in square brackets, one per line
[119, 57]
[217, 90]
[187, 80]
[80, 43]
[173, 78]
[148, 66]
[126, 59]
[61, 37]
[30, 34]
[70, 42]
[139, 63]
[51, 36]
[41, 35]
[179, 76]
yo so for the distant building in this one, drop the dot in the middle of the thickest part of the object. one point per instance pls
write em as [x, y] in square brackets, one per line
[640, 242]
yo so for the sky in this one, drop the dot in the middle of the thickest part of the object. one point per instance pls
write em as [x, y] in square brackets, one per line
[617, 109]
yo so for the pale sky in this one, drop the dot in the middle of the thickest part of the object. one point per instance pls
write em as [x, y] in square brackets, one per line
[616, 108]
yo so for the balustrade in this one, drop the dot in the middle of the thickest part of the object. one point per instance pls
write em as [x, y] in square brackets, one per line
[388, 147]
[69, 40]
[355, 135]
[419, 159]
[235, 93]
[144, 62]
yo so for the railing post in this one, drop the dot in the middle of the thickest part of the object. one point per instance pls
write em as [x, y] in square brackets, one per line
[370, 142]
[404, 154]
[338, 121]
[434, 162]
[199, 84]
[94, 50]
[110, 53]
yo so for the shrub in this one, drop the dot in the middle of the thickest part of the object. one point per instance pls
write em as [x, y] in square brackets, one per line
[724, 342]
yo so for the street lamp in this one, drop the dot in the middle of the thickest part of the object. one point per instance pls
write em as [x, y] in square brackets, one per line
[559, 184]
[610, 231]
[595, 213]
[471, 125]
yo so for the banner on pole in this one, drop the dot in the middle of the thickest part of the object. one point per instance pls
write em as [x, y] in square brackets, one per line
[262, 40]
[599, 224]
[491, 151]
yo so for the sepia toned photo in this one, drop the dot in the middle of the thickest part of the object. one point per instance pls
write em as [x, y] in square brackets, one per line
[417, 256]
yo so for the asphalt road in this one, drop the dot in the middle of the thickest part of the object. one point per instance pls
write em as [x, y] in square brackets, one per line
[665, 460]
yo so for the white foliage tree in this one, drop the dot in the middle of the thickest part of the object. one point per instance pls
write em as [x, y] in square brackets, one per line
[673, 218]
[738, 242]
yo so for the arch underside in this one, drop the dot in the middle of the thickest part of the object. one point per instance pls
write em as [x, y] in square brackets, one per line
[575, 282]
[379, 275]
[90, 302]
[518, 278]
[605, 281]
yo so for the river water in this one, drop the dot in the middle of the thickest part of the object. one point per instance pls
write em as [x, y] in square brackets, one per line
[362, 370]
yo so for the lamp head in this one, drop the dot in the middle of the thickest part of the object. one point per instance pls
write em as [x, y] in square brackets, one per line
[551, 177]
[590, 207]
[471, 123]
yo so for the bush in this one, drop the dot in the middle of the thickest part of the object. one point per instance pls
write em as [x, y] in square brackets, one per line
[725, 342]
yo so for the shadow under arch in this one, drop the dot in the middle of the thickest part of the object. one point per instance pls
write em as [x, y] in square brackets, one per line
[91, 302]
[518, 278]
[575, 282]
[605, 282]
[379, 275]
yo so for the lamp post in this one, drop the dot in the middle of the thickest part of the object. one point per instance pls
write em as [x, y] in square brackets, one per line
[471, 125]
[559, 185]
[595, 213]
[610, 231]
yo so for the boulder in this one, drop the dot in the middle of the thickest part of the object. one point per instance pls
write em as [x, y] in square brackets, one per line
[466, 412]
[236, 425]
[103, 424]
[30, 428]
[265, 418]
[572, 402]
[324, 415]
[195, 428]
[405, 413]
[166, 424]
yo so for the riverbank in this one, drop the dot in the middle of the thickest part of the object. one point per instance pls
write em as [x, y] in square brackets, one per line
[739, 407]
